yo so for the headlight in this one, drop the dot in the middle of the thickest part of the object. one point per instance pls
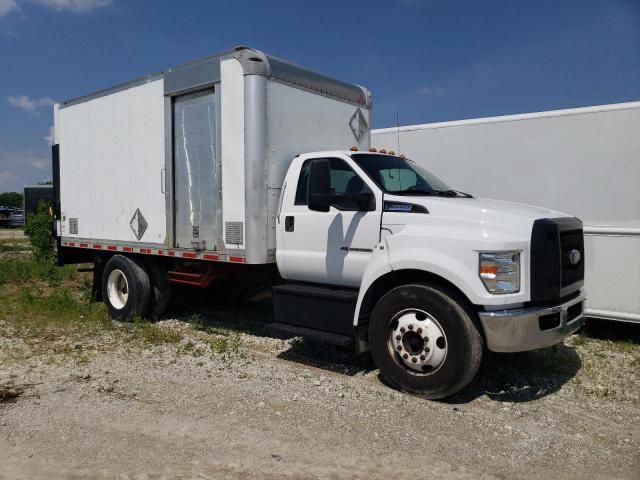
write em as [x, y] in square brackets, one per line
[500, 271]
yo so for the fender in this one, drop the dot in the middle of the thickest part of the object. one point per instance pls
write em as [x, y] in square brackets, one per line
[450, 255]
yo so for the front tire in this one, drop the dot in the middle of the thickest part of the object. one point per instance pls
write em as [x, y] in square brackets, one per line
[424, 341]
[125, 287]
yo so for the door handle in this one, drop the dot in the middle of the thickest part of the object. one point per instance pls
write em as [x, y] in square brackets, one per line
[289, 223]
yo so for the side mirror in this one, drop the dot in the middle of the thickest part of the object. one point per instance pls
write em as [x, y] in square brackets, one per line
[366, 202]
[319, 196]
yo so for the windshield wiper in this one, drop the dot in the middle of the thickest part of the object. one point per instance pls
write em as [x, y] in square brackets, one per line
[438, 193]
[454, 193]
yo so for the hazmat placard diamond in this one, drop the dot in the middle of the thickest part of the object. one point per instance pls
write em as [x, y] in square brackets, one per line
[358, 124]
[138, 224]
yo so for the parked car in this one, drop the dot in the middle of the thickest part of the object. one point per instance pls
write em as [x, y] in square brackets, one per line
[16, 219]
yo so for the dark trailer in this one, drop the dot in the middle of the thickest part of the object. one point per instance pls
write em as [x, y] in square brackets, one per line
[33, 195]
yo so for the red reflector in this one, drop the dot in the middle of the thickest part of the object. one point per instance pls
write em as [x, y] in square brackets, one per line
[236, 259]
[97, 246]
[112, 247]
[171, 254]
[127, 249]
[145, 250]
[84, 245]
[210, 257]
[71, 244]
[188, 255]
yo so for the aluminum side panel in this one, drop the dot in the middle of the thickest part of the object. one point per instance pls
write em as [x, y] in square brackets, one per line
[232, 128]
[111, 158]
[300, 121]
[256, 223]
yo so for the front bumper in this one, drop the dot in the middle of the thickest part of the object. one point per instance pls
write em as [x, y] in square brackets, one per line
[521, 329]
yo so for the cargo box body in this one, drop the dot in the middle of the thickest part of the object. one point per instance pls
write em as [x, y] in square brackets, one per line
[191, 160]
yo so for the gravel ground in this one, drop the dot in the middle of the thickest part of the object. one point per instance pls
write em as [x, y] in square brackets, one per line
[251, 406]
[12, 234]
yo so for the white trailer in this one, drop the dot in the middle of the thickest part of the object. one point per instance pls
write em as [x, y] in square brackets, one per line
[584, 160]
[245, 168]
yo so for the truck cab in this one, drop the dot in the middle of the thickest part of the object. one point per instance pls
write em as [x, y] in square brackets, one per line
[422, 275]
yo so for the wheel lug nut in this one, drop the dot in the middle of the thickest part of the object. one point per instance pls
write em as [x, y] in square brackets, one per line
[427, 349]
[414, 359]
[402, 329]
[398, 337]
[422, 357]
[426, 339]
[419, 330]
[405, 356]
[399, 347]
[410, 327]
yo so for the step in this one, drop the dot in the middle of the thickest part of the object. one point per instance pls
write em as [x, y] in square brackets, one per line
[318, 291]
[290, 331]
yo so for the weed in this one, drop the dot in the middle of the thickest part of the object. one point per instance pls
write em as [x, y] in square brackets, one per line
[38, 229]
[226, 347]
[19, 270]
[147, 332]
[191, 349]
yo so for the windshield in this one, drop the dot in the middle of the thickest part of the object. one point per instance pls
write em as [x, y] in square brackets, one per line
[400, 176]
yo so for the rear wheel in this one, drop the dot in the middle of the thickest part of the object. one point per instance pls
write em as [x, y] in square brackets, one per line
[125, 287]
[160, 289]
[424, 340]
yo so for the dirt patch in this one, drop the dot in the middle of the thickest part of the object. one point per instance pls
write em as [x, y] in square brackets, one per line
[221, 400]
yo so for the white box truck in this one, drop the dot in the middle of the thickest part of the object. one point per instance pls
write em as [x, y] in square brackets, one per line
[584, 160]
[244, 166]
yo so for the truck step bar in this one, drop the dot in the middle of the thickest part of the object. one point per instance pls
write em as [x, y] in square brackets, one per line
[289, 331]
[315, 307]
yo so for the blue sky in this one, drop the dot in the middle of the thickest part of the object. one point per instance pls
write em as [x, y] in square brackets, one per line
[427, 60]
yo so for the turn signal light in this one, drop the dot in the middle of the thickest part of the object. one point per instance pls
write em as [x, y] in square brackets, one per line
[488, 272]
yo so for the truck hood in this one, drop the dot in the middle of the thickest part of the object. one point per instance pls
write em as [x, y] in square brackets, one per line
[482, 215]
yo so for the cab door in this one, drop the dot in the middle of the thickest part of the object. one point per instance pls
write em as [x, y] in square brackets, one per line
[330, 247]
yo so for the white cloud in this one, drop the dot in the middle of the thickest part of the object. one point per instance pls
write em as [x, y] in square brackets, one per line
[7, 6]
[8, 181]
[432, 90]
[22, 167]
[73, 5]
[29, 104]
[51, 137]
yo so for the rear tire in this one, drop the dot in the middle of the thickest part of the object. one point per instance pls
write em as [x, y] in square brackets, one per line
[424, 341]
[160, 289]
[125, 287]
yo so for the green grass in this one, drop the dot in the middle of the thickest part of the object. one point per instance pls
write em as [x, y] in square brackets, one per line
[18, 270]
[41, 301]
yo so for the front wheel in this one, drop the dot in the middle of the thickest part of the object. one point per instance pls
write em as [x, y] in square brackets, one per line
[424, 341]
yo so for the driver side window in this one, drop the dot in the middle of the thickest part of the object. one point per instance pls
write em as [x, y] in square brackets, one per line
[344, 181]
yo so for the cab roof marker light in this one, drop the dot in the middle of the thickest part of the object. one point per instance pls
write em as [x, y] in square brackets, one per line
[354, 149]
[382, 150]
[373, 150]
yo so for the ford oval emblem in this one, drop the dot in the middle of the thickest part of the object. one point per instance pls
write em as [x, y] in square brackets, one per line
[574, 257]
